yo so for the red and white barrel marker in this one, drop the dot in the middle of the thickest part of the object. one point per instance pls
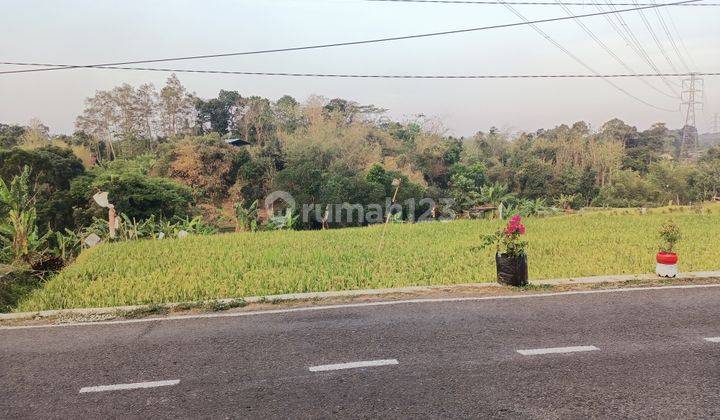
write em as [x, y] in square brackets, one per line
[666, 264]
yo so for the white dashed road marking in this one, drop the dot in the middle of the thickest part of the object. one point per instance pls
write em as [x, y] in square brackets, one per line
[121, 387]
[352, 365]
[551, 350]
[713, 339]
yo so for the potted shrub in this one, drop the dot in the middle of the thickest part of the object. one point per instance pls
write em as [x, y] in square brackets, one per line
[667, 259]
[510, 256]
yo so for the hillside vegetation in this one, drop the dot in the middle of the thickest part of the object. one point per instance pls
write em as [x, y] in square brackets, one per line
[174, 164]
[263, 263]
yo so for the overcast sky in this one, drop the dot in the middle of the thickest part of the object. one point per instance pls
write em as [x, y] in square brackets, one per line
[97, 31]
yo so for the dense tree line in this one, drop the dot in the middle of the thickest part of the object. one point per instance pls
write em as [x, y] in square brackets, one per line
[163, 153]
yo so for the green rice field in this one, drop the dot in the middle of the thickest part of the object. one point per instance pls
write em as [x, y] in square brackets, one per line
[434, 253]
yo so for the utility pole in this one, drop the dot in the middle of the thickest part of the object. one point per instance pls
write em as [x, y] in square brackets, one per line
[692, 98]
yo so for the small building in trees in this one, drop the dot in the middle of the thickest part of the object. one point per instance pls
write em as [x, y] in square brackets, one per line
[237, 142]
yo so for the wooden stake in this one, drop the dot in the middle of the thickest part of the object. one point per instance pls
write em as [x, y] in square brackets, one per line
[111, 222]
[396, 182]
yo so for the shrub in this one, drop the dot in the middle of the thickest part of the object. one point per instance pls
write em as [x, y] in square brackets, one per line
[206, 164]
[16, 284]
[129, 229]
[507, 241]
[669, 236]
[628, 189]
[138, 196]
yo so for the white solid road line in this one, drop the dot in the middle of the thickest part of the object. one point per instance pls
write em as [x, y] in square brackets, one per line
[551, 350]
[121, 387]
[713, 339]
[352, 365]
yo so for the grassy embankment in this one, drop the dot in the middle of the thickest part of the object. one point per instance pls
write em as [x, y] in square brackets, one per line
[248, 264]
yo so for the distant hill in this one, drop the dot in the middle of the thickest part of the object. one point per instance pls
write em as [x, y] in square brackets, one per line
[709, 139]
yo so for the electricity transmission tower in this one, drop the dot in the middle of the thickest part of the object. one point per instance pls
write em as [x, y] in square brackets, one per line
[716, 123]
[692, 98]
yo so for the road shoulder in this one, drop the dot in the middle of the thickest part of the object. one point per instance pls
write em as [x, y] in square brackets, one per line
[310, 300]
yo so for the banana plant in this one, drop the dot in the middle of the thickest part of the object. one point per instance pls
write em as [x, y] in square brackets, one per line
[247, 217]
[19, 235]
[497, 196]
[67, 245]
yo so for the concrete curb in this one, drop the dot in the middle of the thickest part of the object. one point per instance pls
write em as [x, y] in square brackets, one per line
[351, 294]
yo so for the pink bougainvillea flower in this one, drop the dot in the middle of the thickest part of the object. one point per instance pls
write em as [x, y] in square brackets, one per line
[515, 226]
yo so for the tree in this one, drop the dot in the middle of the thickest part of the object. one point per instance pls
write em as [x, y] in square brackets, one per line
[99, 119]
[605, 158]
[534, 178]
[463, 191]
[579, 183]
[646, 148]
[288, 114]
[36, 135]
[617, 129]
[127, 113]
[465, 184]
[126, 119]
[216, 115]
[146, 110]
[177, 108]
[51, 171]
[679, 182]
[344, 192]
[350, 111]
[10, 135]
[304, 174]
[253, 120]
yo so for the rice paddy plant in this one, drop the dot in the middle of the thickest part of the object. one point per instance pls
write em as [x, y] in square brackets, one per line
[248, 264]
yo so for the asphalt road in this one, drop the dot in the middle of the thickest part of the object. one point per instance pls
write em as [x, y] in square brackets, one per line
[646, 354]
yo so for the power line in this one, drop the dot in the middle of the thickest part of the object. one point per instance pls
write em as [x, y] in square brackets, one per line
[606, 48]
[639, 49]
[537, 3]
[630, 43]
[340, 44]
[404, 76]
[655, 38]
[682, 43]
[671, 39]
[581, 62]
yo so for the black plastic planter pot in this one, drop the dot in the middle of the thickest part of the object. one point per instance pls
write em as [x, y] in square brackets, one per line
[512, 270]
